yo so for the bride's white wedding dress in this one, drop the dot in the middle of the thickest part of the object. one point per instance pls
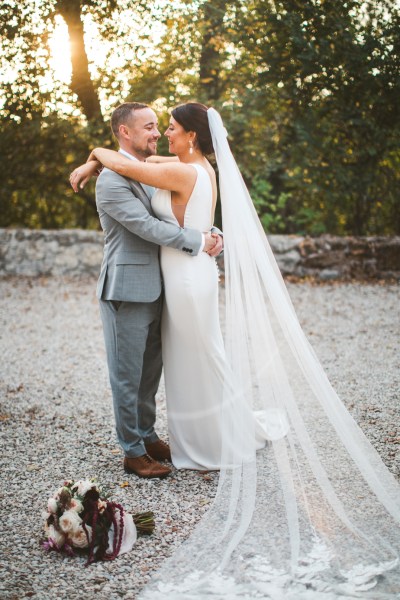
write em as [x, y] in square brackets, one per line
[193, 349]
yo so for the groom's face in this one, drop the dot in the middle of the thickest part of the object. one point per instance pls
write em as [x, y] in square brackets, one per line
[140, 134]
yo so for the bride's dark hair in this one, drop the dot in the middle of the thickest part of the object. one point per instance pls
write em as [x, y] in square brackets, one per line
[193, 117]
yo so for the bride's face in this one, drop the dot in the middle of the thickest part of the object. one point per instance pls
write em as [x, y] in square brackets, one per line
[178, 138]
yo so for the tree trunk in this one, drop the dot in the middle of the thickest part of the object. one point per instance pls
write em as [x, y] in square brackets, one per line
[81, 83]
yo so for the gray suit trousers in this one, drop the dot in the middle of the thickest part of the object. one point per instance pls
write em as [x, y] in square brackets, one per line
[133, 346]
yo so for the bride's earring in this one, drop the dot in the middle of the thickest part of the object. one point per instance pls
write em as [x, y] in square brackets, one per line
[190, 147]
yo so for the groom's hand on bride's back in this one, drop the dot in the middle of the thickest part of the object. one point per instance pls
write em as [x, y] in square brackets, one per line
[213, 244]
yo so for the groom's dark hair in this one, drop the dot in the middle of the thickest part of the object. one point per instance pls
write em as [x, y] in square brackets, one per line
[123, 114]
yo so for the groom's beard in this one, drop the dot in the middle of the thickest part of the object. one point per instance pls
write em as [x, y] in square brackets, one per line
[149, 150]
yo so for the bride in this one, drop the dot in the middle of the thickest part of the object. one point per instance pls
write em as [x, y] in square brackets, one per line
[316, 515]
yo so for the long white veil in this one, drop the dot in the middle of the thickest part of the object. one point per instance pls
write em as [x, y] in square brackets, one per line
[313, 515]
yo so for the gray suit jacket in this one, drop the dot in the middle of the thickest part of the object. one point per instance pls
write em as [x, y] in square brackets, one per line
[130, 270]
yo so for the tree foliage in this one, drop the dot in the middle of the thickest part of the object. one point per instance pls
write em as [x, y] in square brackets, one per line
[308, 90]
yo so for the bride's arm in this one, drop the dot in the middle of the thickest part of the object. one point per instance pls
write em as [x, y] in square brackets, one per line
[171, 175]
[161, 159]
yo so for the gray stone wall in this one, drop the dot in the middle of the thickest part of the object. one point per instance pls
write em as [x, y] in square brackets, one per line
[330, 257]
[34, 252]
[75, 252]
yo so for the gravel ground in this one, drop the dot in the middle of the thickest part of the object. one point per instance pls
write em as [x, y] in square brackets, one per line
[57, 422]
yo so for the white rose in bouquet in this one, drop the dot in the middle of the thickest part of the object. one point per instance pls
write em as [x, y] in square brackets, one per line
[76, 505]
[83, 486]
[79, 539]
[55, 535]
[70, 521]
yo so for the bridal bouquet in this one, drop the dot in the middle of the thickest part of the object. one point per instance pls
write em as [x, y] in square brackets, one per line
[79, 517]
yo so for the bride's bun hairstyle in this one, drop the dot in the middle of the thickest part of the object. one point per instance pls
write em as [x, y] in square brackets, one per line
[193, 117]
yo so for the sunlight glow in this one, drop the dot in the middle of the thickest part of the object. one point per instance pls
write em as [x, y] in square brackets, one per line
[60, 60]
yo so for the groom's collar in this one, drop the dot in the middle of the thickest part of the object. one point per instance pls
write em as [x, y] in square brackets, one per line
[147, 188]
[125, 153]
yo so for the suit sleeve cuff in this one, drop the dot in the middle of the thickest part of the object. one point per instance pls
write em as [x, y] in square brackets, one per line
[203, 243]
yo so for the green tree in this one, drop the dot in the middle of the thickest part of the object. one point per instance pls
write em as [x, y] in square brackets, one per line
[36, 160]
[39, 144]
[308, 92]
[331, 71]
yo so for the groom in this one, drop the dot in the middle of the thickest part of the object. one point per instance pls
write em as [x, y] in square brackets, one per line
[130, 290]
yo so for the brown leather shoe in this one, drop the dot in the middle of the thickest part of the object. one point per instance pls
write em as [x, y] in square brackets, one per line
[158, 450]
[145, 466]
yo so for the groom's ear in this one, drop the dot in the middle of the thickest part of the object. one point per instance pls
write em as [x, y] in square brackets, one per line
[123, 131]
